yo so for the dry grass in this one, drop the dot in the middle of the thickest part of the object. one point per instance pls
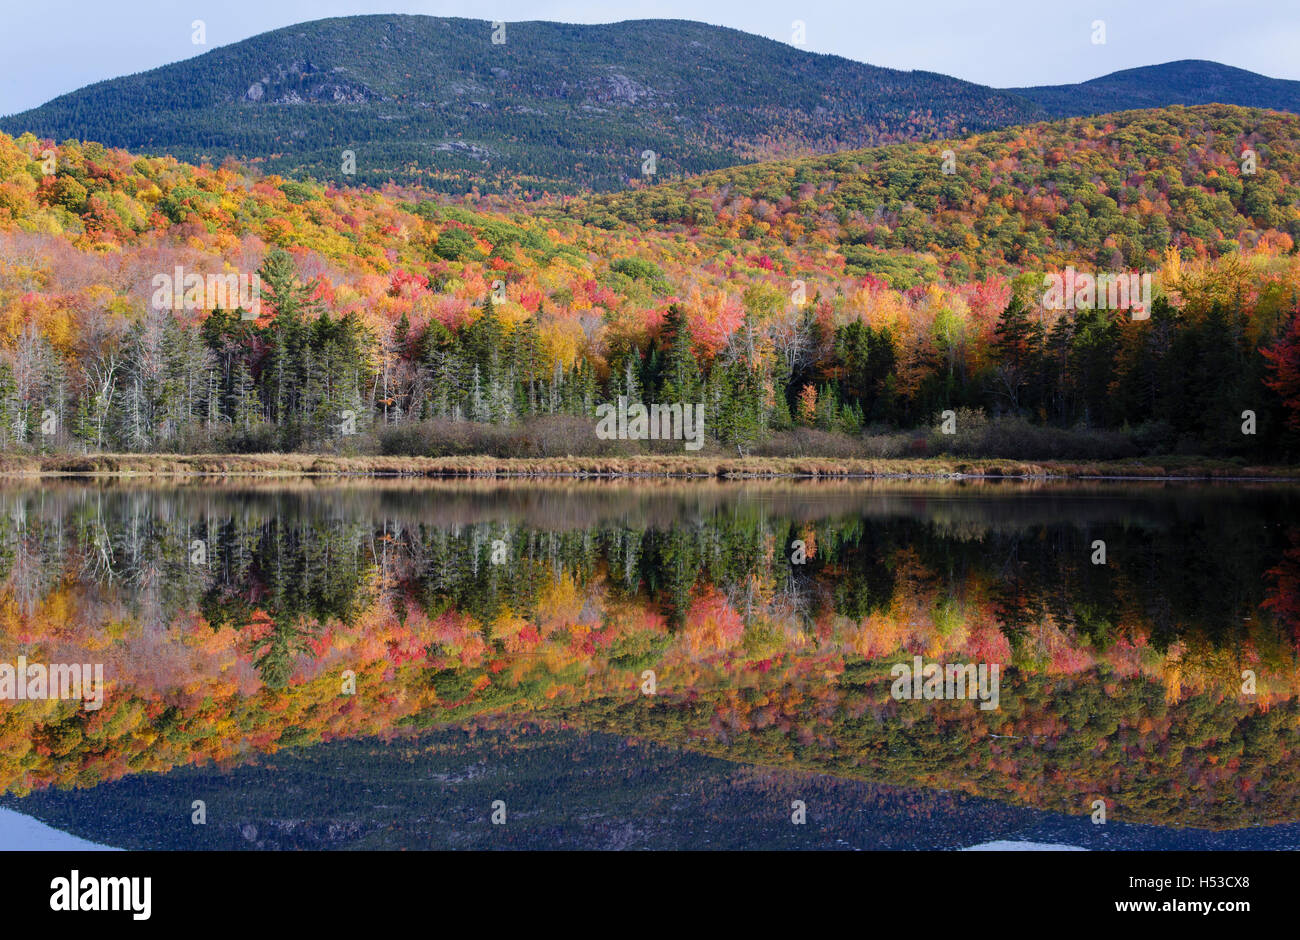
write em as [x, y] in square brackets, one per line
[646, 466]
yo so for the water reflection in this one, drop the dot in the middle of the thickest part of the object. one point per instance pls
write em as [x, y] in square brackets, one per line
[234, 621]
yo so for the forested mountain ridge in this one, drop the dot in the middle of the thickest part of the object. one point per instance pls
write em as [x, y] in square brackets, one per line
[1115, 191]
[555, 107]
[1186, 82]
[552, 107]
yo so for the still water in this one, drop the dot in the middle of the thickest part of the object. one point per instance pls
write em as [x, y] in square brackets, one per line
[652, 665]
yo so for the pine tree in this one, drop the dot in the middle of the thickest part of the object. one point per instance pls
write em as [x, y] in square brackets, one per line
[680, 377]
[1017, 343]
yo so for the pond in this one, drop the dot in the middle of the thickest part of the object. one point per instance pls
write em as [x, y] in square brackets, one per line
[392, 664]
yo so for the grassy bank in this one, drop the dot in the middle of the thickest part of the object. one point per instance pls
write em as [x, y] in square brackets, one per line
[650, 466]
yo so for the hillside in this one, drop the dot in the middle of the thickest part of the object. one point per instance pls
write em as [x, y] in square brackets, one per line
[554, 107]
[496, 327]
[1115, 190]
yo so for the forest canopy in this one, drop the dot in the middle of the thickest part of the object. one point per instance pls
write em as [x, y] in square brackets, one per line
[860, 295]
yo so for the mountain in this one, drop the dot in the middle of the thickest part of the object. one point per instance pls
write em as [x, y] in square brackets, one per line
[1187, 82]
[562, 108]
[554, 107]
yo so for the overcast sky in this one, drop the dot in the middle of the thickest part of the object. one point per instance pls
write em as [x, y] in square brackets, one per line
[49, 47]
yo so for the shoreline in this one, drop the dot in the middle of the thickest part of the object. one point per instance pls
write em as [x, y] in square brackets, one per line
[649, 467]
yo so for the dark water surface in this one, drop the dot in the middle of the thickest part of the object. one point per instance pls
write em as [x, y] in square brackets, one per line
[655, 665]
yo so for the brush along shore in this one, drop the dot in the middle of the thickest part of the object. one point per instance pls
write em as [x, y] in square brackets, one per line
[651, 466]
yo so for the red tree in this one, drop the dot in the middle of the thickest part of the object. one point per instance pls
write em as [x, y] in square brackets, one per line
[1284, 369]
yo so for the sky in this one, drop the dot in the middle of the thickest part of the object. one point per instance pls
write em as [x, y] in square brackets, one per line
[49, 47]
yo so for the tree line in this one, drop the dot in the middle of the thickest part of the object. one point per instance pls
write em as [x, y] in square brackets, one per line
[306, 379]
